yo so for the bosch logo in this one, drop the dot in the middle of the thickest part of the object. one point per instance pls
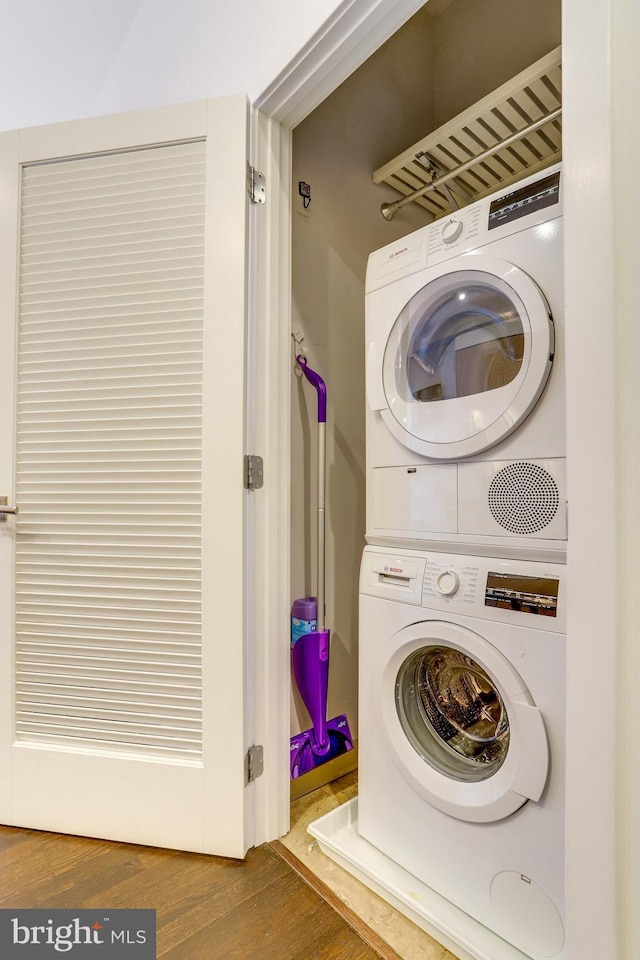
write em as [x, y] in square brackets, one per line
[395, 569]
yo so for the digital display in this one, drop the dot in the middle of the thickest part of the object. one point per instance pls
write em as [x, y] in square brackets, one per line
[536, 196]
[537, 595]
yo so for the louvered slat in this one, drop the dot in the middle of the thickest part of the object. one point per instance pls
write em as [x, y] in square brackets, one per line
[108, 582]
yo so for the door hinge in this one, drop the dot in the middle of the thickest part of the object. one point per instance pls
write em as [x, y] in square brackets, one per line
[256, 185]
[253, 472]
[254, 763]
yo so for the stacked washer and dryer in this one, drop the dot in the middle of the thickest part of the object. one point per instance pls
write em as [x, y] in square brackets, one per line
[462, 588]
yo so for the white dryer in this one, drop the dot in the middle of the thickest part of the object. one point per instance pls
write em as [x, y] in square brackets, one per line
[462, 731]
[465, 379]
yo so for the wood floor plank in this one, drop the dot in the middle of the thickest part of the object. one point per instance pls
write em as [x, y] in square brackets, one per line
[35, 863]
[210, 898]
[50, 864]
[207, 907]
[285, 921]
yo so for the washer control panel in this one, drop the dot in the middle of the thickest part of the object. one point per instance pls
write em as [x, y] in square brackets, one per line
[453, 580]
[448, 583]
[524, 592]
[392, 576]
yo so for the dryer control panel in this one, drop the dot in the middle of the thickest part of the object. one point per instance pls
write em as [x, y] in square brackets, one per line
[452, 232]
[535, 200]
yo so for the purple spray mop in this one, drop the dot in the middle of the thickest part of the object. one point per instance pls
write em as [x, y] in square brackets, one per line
[326, 739]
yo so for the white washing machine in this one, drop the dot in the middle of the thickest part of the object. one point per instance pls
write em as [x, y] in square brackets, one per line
[465, 379]
[461, 749]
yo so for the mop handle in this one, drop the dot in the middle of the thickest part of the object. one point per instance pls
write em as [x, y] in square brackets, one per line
[316, 381]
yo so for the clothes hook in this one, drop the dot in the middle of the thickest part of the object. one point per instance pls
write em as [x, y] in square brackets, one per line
[304, 190]
[298, 350]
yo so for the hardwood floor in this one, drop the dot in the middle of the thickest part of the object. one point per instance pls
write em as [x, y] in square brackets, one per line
[208, 908]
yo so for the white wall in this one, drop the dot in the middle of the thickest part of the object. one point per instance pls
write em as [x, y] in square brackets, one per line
[202, 48]
[55, 54]
[67, 59]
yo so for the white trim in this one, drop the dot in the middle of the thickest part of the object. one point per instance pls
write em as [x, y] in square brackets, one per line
[625, 147]
[271, 366]
[9, 245]
[591, 481]
[354, 31]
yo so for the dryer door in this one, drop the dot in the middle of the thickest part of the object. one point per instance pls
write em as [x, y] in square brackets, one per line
[466, 359]
[461, 725]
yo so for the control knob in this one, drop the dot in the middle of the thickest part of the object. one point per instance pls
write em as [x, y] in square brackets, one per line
[448, 583]
[451, 230]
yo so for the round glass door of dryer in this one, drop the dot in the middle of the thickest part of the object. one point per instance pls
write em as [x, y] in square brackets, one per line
[452, 713]
[467, 359]
[471, 340]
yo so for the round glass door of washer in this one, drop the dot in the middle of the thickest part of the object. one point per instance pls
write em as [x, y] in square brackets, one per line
[459, 722]
[452, 713]
[467, 359]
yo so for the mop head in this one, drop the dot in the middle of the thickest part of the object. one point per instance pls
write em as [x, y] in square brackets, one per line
[305, 754]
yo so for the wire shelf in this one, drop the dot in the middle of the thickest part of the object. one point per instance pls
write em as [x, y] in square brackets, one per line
[512, 108]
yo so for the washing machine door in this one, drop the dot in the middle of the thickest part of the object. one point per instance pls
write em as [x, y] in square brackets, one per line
[466, 359]
[461, 724]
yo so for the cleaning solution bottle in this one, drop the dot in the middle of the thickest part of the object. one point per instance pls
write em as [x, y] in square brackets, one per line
[304, 617]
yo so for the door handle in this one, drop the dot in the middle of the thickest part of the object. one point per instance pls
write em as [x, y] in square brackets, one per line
[5, 510]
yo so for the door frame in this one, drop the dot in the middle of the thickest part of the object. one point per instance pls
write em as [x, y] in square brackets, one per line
[355, 30]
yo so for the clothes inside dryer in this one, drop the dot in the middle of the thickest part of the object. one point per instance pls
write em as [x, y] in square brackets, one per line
[466, 358]
[467, 340]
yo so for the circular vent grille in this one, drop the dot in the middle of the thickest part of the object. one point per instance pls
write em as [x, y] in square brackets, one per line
[523, 498]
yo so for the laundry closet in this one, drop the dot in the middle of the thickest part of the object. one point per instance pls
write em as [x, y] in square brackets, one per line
[451, 54]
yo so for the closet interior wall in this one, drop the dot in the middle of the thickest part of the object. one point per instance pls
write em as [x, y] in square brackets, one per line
[449, 55]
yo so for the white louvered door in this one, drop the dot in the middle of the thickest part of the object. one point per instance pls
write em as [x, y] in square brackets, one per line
[123, 653]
